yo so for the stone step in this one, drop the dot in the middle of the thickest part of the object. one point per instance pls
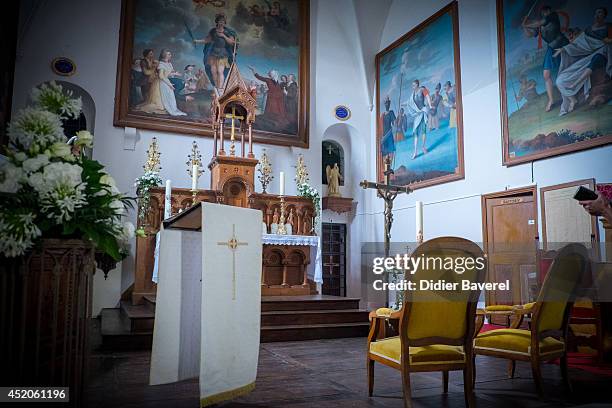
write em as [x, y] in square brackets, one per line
[141, 317]
[309, 302]
[305, 317]
[271, 334]
[117, 334]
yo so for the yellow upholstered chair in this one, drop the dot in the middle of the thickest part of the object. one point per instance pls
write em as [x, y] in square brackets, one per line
[436, 328]
[547, 338]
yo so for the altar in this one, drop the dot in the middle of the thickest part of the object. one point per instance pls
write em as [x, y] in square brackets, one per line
[289, 262]
[286, 263]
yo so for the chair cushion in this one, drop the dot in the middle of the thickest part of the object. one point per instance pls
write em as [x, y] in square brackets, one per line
[499, 308]
[390, 349]
[514, 341]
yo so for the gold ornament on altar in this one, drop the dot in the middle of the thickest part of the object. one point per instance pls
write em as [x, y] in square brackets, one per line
[194, 158]
[281, 229]
[301, 172]
[152, 164]
[265, 171]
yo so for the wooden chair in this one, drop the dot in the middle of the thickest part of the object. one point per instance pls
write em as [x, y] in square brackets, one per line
[436, 328]
[547, 338]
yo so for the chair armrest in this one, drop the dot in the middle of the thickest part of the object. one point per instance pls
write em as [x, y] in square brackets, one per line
[378, 321]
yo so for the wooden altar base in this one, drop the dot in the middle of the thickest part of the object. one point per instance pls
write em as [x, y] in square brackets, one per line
[283, 318]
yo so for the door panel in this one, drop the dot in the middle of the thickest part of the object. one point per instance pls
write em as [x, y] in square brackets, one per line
[510, 233]
[333, 254]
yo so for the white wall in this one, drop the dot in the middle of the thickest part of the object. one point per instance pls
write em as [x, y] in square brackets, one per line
[87, 31]
[455, 208]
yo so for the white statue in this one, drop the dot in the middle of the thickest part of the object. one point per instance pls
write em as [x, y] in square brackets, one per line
[333, 180]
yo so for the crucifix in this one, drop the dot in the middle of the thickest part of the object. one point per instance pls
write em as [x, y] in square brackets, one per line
[233, 117]
[387, 192]
[232, 245]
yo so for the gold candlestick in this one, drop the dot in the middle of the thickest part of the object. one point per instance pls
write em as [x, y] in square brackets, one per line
[281, 230]
[265, 171]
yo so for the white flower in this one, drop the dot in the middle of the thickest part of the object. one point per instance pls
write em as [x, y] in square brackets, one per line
[107, 180]
[84, 138]
[34, 164]
[35, 129]
[60, 188]
[53, 98]
[17, 233]
[20, 156]
[11, 177]
[61, 150]
[118, 206]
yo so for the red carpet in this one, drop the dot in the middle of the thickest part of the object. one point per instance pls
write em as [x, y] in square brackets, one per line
[581, 361]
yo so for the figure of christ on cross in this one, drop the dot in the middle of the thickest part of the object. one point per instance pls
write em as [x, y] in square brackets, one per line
[232, 244]
[233, 117]
[387, 192]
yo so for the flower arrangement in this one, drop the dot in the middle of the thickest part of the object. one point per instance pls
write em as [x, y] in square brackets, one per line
[147, 181]
[50, 190]
[306, 190]
[143, 186]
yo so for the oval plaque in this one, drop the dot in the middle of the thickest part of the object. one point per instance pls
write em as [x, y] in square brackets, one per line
[63, 66]
[342, 112]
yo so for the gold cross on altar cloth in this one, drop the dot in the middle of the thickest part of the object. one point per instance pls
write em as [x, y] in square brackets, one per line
[233, 244]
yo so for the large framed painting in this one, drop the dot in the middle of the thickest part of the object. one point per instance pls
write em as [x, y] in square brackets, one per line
[419, 128]
[174, 54]
[554, 69]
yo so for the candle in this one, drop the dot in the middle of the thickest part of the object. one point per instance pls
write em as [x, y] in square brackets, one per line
[168, 201]
[419, 221]
[282, 183]
[194, 177]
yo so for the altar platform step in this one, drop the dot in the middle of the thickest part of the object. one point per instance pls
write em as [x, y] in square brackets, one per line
[311, 317]
[117, 334]
[283, 318]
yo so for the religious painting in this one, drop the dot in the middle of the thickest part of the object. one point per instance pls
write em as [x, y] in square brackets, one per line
[419, 128]
[174, 57]
[555, 77]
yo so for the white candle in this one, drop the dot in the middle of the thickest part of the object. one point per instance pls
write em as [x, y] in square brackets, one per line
[282, 183]
[168, 200]
[419, 220]
[194, 177]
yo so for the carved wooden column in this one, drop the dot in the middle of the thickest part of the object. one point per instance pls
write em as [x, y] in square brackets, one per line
[305, 272]
[285, 272]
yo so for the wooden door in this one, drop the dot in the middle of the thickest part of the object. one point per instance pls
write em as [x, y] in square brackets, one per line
[510, 232]
[333, 252]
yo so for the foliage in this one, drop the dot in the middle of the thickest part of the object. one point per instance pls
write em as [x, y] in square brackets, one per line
[143, 185]
[52, 191]
[306, 190]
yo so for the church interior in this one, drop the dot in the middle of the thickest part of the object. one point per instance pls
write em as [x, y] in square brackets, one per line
[235, 203]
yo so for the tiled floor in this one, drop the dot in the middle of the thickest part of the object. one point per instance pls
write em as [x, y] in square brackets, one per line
[331, 373]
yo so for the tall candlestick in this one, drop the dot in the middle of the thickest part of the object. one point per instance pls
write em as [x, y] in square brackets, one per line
[282, 183]
[251, 141]
[419, 221]
[194, 177]
[168, 200]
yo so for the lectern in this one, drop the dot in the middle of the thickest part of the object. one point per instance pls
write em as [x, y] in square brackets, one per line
[207, 319]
